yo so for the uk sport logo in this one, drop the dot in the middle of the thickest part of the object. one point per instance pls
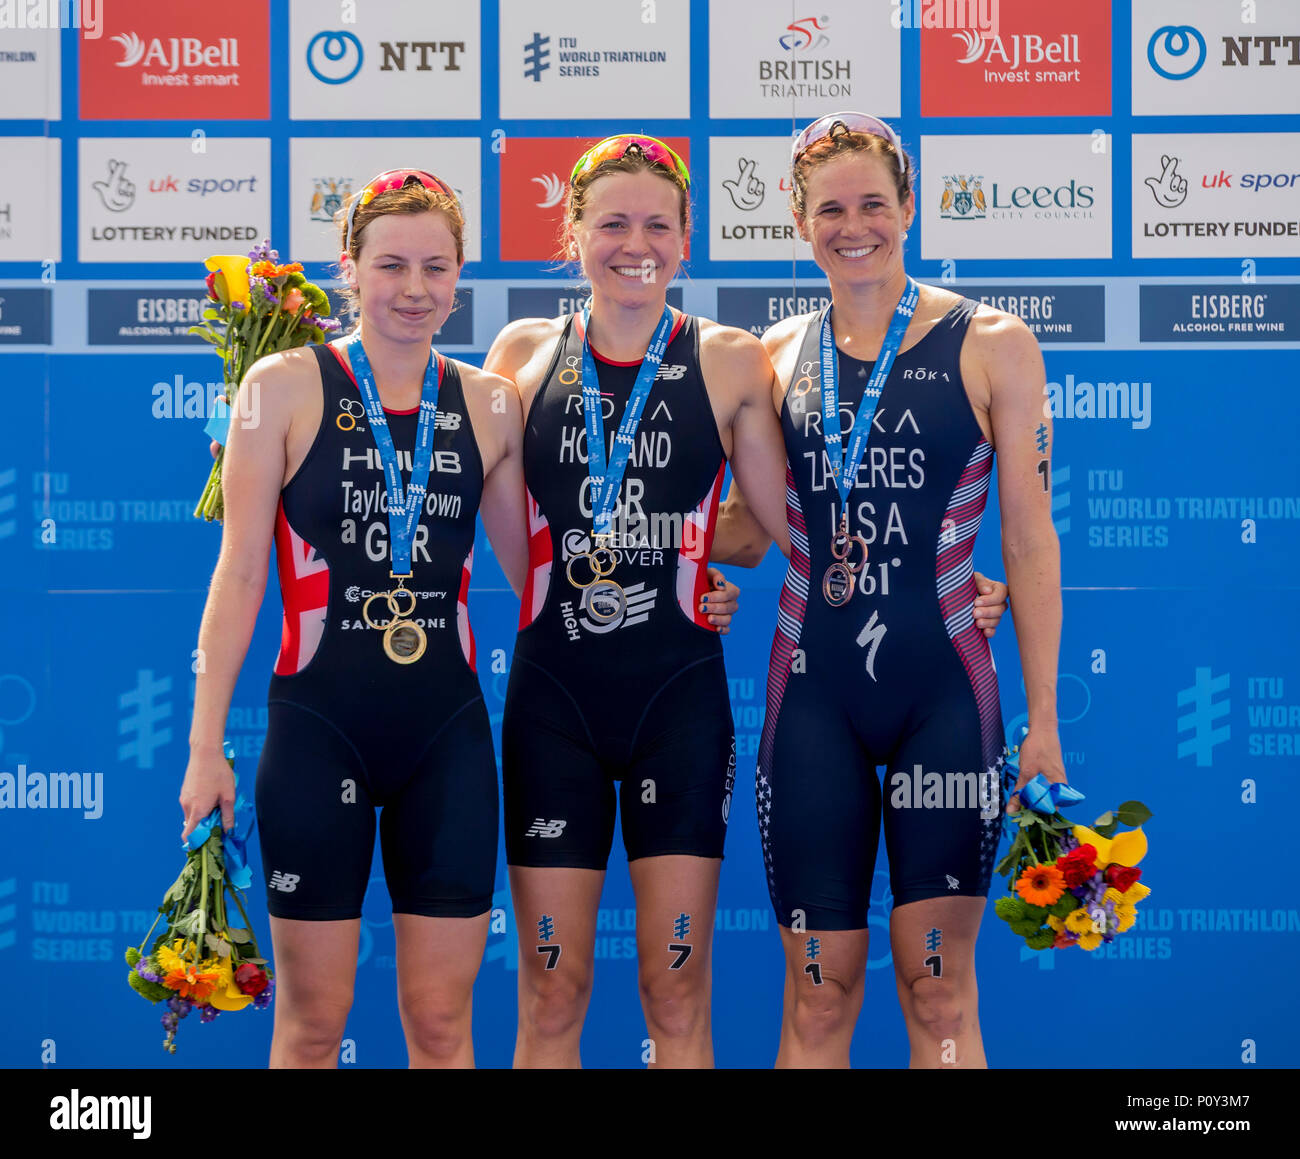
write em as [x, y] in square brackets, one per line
[543, 828]
[284, 882]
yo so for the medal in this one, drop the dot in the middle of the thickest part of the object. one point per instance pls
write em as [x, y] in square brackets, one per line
[605, 601]
[840, 579]
[404, 640]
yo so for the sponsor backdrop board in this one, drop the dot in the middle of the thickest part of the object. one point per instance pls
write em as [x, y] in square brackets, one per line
[1122, 175]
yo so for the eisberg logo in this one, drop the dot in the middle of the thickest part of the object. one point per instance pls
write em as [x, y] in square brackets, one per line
[1172, 43]
[334, 57]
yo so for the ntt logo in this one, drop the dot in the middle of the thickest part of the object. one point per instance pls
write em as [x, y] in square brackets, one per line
[1170, 45]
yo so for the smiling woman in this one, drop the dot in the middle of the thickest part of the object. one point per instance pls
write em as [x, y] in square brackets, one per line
[368, 464]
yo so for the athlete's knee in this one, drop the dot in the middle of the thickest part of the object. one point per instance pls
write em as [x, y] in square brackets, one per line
[674, 1003]
[436, 1023]
[552, 1002]
[937, 1006]
[822, 1011]
[312, 1031]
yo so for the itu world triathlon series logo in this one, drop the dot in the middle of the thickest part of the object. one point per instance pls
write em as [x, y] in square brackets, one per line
[328, 196]
[963, 198]
[808, 33]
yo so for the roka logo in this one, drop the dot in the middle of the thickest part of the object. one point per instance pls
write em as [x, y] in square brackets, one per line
[284, 882]
[543, 828]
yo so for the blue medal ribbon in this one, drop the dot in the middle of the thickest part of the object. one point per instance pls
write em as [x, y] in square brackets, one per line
[845, 471]
[234, 843]
[607, 479]
[404, 504]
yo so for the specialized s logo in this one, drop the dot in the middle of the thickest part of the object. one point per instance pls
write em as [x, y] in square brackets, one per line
[284, 882]
[870, 636]
[543, 828]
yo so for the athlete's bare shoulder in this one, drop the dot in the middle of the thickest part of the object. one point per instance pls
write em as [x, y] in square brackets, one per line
[519, 342]
[935, 302]
[729, 341]
[781, 334]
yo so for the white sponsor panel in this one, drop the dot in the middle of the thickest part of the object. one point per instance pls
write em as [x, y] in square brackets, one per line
[749, 202]
[29, 199]
[29, 74]
[155, 199]
[1216, 195]
[1215, 57]
[392, 60]
[563, 60]
[325, 171]
[768, 58]
[1004, 197]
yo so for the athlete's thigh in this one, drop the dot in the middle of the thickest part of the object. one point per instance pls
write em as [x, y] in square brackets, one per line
[819, 815]
[555, 910]
[675, 796]
[676, 898]
[559, 800]
[315, 818]
[315, 964]
[819, 959]
[438, 957]
[942, 808]
[439, 829]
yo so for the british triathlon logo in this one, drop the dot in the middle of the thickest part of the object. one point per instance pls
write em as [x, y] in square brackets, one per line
[1176, 52]
[536, 57]
[328, 195]
[334, 57]
[805, 34]
[963, 198]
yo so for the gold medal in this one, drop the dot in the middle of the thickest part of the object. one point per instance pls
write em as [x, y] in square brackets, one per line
[404, 641]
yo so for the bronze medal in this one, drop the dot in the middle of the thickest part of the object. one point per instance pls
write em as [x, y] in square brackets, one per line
[838, 584]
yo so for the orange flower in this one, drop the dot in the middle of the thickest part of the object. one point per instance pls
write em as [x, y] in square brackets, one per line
[1041, 885]
[288, 268]
[191, 982]
[262, 270]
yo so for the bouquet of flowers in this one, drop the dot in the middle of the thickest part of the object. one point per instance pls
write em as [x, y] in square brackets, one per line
[200, 959]
[1070, 885]
[259, 307]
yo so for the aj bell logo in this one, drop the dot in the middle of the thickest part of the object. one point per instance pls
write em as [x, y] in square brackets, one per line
[177, 52]
[543, 828]
[284, 882]
[553, 189]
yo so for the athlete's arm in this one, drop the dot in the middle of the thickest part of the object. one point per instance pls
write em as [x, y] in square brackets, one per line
[740, 538]
[498, 424]
[252, 476]
[1016, 378]
[738, 360]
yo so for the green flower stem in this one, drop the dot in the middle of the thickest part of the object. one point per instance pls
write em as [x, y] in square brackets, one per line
[252, 937]
[151, 930]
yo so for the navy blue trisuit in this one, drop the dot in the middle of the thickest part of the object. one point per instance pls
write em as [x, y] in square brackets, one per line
[349, 729]
[640, 698]
[898, 677]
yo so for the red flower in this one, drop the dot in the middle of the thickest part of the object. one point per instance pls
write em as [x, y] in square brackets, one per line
[212, 293]
[250, 979]
[1077, 865]
[1122, 876]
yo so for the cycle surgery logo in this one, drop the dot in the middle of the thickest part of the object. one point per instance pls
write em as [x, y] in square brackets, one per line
[334, 57]
[1176, 52]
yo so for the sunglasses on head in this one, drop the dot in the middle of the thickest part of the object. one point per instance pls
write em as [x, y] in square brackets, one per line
[851, 122]
[393, 179]
[615, 148]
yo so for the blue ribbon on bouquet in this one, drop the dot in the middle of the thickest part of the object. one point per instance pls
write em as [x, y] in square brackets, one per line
[234, 843]
[1040, 794]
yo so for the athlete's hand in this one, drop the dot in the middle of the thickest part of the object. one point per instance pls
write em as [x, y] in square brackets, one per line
[209, 782]
[1040, 752]
[990, 603]
[720, 602]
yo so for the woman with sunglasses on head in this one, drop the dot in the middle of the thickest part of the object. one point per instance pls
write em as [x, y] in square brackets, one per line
[892, 401]
[632, 411]
[367, 464]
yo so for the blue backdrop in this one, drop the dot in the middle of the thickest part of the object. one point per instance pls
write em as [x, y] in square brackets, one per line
[1177, 516]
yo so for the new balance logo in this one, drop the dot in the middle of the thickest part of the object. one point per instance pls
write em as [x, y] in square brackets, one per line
[446, 421]
[284, 882]
[543, 828]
